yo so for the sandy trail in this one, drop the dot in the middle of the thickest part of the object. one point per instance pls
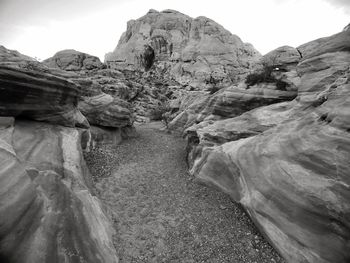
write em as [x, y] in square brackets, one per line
[160, 215]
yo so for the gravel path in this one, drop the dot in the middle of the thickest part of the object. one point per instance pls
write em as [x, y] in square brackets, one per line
[160, 215]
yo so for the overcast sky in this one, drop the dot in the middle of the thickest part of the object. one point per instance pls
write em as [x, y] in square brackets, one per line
[40, 28]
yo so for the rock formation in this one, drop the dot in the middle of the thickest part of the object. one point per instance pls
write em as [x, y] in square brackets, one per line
[196, 52]
[73, 60]
[272, 132]
[39, 96]
[13, 56]
[110, 95]
[228, 102]
[235, 100]
[287, 163]
[51, 214]
[104, 110]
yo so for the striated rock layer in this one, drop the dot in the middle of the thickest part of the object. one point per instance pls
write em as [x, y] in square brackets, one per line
[228, 102]
[104, 110]
[31, 89]
[288, 163]
[48, 212]
[40, 96]
[196, 52]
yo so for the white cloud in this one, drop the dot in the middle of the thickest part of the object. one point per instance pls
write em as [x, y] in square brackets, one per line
[96, 29]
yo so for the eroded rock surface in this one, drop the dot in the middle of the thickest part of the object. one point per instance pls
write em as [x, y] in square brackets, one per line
[46, 92]
[110, 96]
[196, 52]
[48, 212]
[39, 96]
[288, 163]
[104, 110]
[228, 102]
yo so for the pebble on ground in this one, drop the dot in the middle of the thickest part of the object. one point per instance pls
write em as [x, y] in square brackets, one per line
[160, 214]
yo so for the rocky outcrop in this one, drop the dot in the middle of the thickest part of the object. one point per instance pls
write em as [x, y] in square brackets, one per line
[48, 211]
[288, 163]
[72, 60]
[113, 98]
[196, 52]
[274, 79]
[229, 102]
[347, 28]
[104, 110]
[12, 56]
[40, 96]
[336, 43]
[284, 56]
[88, 81]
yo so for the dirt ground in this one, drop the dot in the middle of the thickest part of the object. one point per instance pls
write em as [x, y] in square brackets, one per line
[161, 215]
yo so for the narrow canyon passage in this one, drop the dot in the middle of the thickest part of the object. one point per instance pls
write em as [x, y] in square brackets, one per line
[160, 214]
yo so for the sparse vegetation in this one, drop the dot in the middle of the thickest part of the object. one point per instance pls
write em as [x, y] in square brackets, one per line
[213, 89]
[263, 76]
[266, 76]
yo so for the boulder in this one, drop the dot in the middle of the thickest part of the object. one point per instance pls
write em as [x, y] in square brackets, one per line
[196, 52]
[49, 213]
[104, 110]
[99, 136]
[72, 60]
[282, 57]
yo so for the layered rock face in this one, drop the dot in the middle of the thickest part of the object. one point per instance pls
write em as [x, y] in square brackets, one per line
[288, 163]
[8, 56]
[114, 98]
[48, 212]
[235, 100]
[90, 75]
[228, 102]
[104, 110]
[29, 89]
[39, 96]
[196, 52]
